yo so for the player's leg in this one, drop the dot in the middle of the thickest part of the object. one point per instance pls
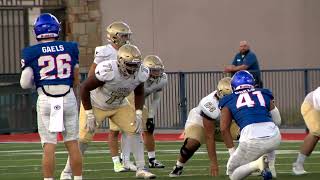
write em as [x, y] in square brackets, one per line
[71, 136]
[124, 118]
[245, 159]
[84, 135]
[75, 158]
[311, 118]
[114, 147]
[149, 142]
[194, 136]
[48, 160]
[48, 139]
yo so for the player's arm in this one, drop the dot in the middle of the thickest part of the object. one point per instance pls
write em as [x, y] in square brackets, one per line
[26, 79]
[92, 69]
[154, 104]
[209, 129]
[275, 114]
[139, 96]
[233, 68]
[88, 85]
[225, 123]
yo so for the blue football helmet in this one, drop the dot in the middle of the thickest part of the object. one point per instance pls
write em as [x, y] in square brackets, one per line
[242, 80]
[46, 26]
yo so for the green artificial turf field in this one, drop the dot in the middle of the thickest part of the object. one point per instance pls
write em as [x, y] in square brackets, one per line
[21, 161]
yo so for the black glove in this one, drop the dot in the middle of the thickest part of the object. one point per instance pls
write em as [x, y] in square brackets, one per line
[150, 125]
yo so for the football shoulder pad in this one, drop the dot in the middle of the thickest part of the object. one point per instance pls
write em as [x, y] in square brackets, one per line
[225, 100]
[103, 51]
[143, 73]
[209, 106]
[105, 71]
[266, 92]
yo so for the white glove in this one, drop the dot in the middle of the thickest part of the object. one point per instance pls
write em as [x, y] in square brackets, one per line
[138, 121]
[91, 121]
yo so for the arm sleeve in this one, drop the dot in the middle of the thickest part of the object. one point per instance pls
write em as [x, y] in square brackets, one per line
[210, 109]
[250, 59]
[154, 105]
[26, 79]
[275, 114]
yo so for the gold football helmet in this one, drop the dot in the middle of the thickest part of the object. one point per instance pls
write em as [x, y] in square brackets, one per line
[224, 87]
[154, 64]
[119, 33]
[129, 59]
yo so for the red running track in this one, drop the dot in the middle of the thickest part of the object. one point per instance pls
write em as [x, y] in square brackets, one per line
[34, 137]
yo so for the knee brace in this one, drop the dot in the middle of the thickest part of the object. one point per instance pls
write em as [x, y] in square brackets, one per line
[188, 153]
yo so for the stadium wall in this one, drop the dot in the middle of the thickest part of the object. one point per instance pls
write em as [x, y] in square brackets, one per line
[204, 35]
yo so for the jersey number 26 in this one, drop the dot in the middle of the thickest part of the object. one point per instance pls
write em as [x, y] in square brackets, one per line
[61, 63]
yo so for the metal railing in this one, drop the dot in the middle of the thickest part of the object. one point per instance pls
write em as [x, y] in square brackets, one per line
[183, 92]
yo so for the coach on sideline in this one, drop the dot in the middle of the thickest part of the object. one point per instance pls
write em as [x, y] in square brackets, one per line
[246, 59]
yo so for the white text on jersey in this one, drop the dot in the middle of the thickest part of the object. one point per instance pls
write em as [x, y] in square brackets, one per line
[47, 49]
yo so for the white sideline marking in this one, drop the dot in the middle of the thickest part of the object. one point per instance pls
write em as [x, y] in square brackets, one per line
[39, 152]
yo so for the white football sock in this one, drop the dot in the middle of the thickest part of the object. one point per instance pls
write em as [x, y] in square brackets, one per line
[179, 163]
[137, 146]
[272, 158]
[151, 154]
[301, 158]
[115, 159]
[125, 148]
[67, 168]
[243, 171]
[83, 147]
[48, 178]
[77, 177]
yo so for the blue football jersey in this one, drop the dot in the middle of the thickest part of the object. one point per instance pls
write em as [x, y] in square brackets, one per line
[52, 62]
[248, 106]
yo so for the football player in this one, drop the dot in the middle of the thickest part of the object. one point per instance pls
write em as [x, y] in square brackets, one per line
[202, 126]
[253, 110]
[310, 110]
[104, 96]
[53, 67]
[153, 86]
[118, 34]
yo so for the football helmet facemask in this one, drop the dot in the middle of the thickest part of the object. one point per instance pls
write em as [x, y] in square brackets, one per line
[155, 66]
[129, 59]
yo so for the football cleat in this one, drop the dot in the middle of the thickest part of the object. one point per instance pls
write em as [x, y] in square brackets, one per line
[118, 167]
[176, 172]
[130, 167]
[144, 174]
[298, 169]
[65, 175]
[266, 174]
[153, 163]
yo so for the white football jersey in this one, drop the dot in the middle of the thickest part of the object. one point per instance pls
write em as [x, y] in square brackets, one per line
[117, 87]
[209, 106]
[155, 85]
[314, 98]
[104, 53]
